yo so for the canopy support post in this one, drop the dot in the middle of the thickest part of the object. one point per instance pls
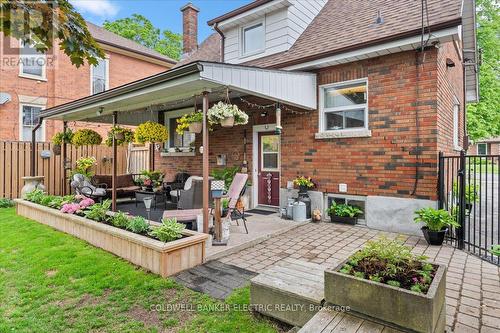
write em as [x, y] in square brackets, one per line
[114, 167]
[64, 156]
[33, 147]
[205, 163]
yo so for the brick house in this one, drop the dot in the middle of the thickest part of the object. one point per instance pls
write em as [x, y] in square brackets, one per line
[366, 101]
[51, 80]
[490, 146]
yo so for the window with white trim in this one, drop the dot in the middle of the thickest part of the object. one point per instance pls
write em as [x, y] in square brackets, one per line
[482, 149]
[344, 106]
[456, 126]
[32, 63]
[253, 39]
[176, 140]
[99, 75]
[29, 119]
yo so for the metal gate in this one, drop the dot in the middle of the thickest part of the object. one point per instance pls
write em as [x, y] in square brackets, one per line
[469, 189]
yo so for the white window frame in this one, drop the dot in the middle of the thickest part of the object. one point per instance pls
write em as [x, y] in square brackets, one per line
[456, 125]
[278, 167]
[244, 54]
[364, 131]
[170, 115]
[106, 83]
[486, 150]
[21, 126]
[43, 56]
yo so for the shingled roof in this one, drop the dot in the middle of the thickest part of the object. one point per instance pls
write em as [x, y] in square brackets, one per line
[104, 36]
[345, 25]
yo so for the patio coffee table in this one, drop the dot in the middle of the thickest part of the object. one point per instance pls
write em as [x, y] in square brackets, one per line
[141, 194]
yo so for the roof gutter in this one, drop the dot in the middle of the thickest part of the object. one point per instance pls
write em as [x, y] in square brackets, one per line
[185, 70]
[238, 11]
[222, 42]
[411, 33]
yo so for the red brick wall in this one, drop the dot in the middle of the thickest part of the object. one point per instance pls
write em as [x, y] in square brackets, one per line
[383, 164]
[64, 83]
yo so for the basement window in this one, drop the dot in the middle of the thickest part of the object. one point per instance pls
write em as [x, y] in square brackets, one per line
[353, 200]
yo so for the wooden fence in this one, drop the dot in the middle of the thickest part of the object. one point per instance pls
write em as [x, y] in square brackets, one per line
[15, 164]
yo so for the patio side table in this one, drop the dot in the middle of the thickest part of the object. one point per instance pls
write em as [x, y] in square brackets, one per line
[141, 194]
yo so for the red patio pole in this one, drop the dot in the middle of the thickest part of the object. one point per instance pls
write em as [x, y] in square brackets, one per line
[113, 170]
[205, 163]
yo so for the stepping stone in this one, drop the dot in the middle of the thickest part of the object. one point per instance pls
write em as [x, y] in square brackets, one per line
[331, 321]
[291, 291]
[214, 278]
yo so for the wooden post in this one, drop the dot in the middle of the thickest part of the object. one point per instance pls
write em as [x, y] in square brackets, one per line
[64, 156]
[114, 167]
[205, 163]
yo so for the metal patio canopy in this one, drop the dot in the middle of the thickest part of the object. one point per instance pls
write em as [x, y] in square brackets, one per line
[175, 87]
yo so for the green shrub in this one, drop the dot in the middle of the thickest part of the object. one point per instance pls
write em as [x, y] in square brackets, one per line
[46, 200]
[61, 137]
[225, 174]
[343, 210]
[435, 219]
[390, 262]
[98, 212]
[471, 192]
[35, 196]
[120, 220]
[138, 225]
[169, 230]
[6, 203]
[84, 137]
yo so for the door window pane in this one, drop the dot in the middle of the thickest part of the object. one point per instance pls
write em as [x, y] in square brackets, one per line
[270, 161]
[270, 143]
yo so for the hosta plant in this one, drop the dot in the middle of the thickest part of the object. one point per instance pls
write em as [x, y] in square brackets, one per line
[343, 210]
[435, 219]
[220, 111]
[35, 196]
[168, 231]
[120, 220]
[138, 225]
[99, 211]
[6, 203]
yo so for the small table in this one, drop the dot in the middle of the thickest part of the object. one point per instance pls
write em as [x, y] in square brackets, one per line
[141, 194]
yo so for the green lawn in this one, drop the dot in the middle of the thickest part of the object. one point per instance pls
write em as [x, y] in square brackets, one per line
[53, 282]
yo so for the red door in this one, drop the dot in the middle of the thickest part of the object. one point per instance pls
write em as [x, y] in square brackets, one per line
[269, 166]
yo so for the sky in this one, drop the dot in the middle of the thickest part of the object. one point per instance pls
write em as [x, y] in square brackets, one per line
[165, 14]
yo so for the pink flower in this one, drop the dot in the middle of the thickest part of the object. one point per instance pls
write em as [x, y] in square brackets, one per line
[70, 208]
[86, 203]
[414, 279]
[147, 182]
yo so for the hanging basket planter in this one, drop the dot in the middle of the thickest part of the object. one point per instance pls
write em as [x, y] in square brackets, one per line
[195, 127]
[227, 122]
[119, 136]
[151, 132]
[59, 138]
[56, 149]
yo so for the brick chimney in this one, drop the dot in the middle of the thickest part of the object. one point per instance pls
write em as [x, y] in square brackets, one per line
[189, 28]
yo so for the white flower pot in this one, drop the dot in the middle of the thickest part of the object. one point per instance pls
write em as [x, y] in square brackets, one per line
[228, 122]
[195, 127]
[31, 183]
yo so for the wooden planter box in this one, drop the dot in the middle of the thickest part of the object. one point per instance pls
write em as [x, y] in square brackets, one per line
[158, 257]
[383, 303]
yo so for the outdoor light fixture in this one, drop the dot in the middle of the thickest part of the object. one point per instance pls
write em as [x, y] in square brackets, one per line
[278, 120]
[263, 114]
[147, 203]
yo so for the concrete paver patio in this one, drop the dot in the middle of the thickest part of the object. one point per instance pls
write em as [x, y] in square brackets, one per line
[472, 285]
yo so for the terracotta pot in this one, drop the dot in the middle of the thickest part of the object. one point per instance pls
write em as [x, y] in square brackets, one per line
[56, 149]
[195, 127]
[31, 183]
[228, 122]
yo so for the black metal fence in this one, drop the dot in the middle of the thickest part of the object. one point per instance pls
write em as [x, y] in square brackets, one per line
[469, 189]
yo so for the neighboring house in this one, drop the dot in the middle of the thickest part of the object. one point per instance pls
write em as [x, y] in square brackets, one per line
[360, 145]
[489, 146]
[31, 82]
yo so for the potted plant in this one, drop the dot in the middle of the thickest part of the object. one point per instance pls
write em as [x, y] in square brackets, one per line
[303, 183]
[151, 132]
[151, 180]
[227, 115]
[191, 122]
[385, 280]
[122, 136]
[84, 137]
[344, 213]
[436, 223]
[59, 138]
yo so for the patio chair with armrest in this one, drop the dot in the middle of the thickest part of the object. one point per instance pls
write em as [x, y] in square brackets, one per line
[177, 184]
[82, 186]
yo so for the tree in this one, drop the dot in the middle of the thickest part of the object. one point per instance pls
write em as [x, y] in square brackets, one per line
[484, 117]
[40, 23]
[141, 30]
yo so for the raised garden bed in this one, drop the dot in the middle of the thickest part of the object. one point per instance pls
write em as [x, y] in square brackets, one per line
[371, 296]
[158, 257]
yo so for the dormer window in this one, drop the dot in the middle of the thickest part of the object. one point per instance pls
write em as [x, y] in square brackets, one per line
[253, 39]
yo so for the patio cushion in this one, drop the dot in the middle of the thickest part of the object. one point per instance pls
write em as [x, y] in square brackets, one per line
[97, 191]
[183, 215]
